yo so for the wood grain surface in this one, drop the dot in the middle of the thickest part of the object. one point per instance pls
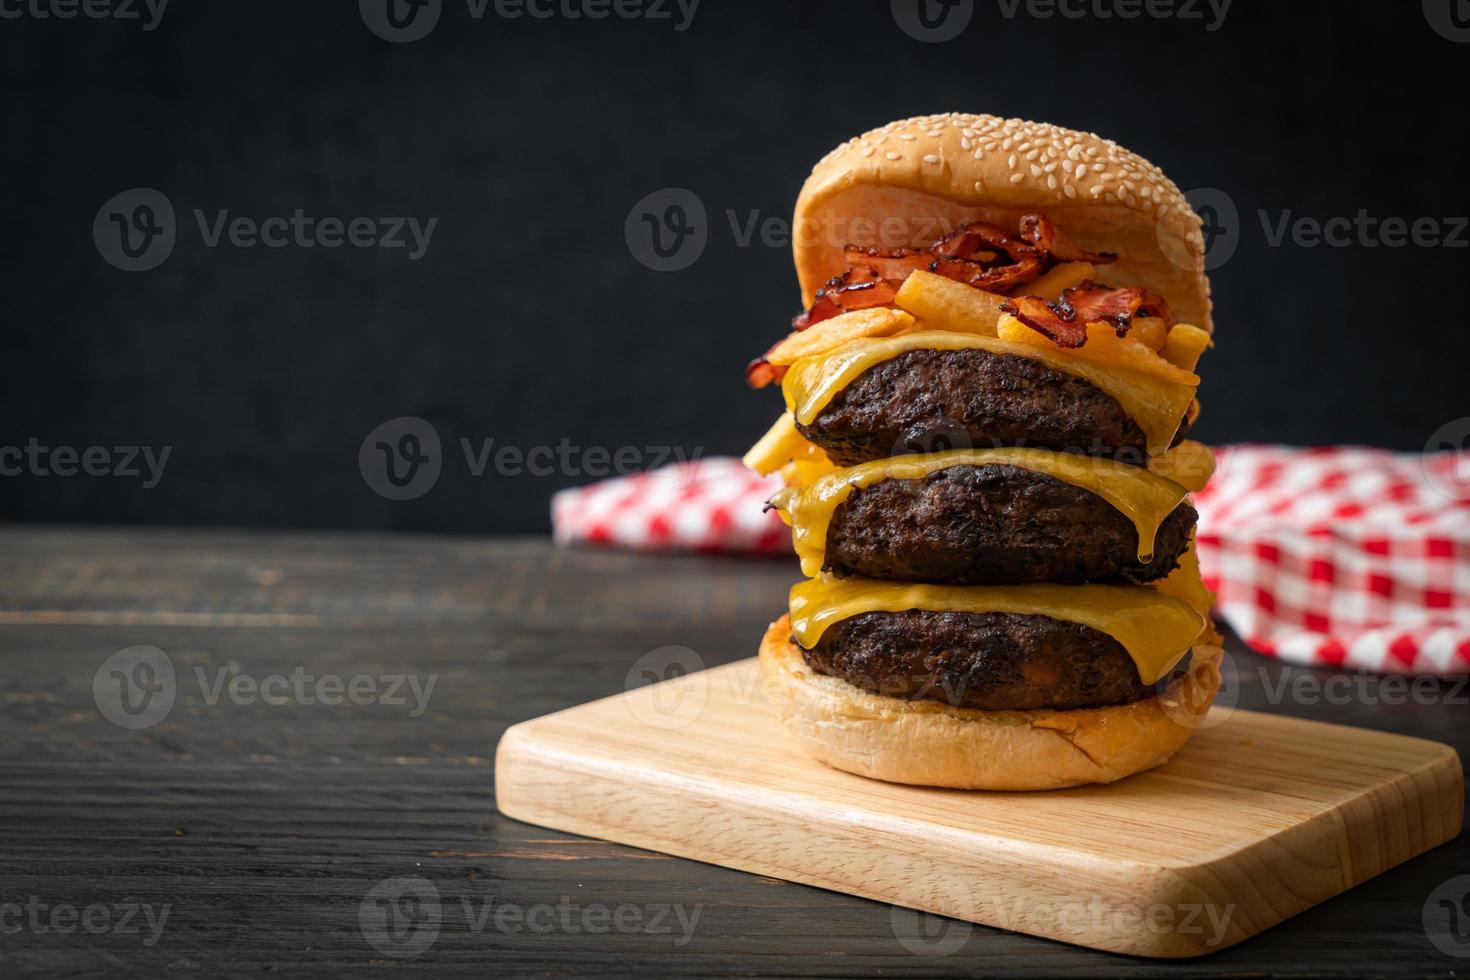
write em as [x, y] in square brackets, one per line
[271, 831]
[1257, 818]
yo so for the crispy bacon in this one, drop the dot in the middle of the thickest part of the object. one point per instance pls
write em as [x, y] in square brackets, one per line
[1058, 324]
[966, 241]
[1040, 231]
[996, 279]
[895, 263]
[987, 257]
[858, 288]
[1065, 321]
[1116, 306]
[761, 372]
[977, 254]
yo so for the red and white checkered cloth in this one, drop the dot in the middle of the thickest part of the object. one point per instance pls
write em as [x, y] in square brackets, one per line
[1339, 557]
[712, 504]
[1342, 557]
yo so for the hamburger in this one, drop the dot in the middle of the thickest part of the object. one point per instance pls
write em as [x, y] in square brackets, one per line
[986, 461]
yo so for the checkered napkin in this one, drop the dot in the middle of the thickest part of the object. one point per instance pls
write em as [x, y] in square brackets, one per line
[1340, 557]
[712, 504]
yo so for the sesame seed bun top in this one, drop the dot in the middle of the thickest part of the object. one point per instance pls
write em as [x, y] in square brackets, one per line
[917, 178]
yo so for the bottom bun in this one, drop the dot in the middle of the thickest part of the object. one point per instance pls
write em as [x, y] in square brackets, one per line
[927, 743]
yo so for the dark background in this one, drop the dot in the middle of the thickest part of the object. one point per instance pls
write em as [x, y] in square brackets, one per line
[529, 320]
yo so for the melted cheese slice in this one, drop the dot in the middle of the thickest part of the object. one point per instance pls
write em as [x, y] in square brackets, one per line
[1155, 628]
[1143, 497]
[1155, 404]
[1190, 464]
[1186, 583]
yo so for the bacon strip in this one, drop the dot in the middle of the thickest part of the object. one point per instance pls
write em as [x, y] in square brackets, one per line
[977, 254]
[1065, 321]
[761, 372]
[1040, 231]
[1057, 323]
[984, 256]
[1116, 306]
[859, 288]
[894, 263]
[996, 279]
[966, 241]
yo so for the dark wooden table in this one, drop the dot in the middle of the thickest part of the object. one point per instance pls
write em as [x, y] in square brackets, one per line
[263, 827]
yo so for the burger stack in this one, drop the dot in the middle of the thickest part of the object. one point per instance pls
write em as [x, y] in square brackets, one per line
[986, 460]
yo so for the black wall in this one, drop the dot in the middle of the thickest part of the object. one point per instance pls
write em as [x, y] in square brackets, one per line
[529, 320]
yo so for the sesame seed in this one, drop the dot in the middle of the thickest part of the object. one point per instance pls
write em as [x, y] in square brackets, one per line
[1034, 149]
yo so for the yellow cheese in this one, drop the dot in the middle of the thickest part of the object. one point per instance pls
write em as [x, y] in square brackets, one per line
[1141, 496]
[1155, 404]
[782, 444]
[1155, 628]
[1189, 464]
[1185, 582]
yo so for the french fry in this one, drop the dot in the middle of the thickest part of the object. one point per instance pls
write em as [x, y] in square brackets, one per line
[1103, 346]
[1064, 276]
[1184, 345]
[781, 444]
[950, 305]
[833, 333]
[1151, 332]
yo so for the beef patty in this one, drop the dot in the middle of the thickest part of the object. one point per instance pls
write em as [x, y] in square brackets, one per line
[994, 525]
[991, 661]
[931, 400]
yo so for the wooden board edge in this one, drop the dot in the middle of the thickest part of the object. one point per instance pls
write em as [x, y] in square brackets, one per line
[542, 783]
[1385, 826]
[535, 780]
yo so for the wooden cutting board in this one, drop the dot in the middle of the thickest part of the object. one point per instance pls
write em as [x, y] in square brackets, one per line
[1259, 817]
